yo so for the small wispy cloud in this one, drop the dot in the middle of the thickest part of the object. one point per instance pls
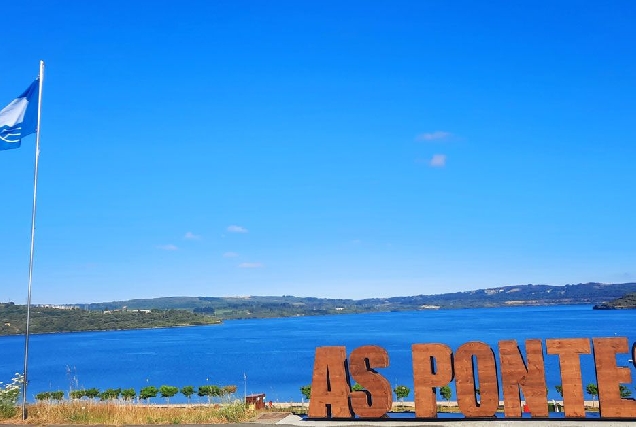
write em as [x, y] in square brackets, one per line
[236, 229]
[230, 255]
[251, 265]
[438, 161]
[433, 136]
[169, 247]
[191, 236]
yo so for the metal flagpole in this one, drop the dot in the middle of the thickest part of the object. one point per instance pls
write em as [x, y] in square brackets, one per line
[35, 187]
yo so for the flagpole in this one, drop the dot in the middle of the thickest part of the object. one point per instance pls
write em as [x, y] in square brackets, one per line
[35, 188]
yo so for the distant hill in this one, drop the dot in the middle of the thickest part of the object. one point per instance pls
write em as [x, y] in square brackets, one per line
[48, 320]
[287, 305]
[625, 302]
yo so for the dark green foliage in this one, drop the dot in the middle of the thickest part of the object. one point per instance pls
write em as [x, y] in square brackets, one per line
[209, 391]
[625, 392]
[559, 389]
[77, 394]
[625, 302]
[128, 393]
[91, 393]
[43, 396]
[110, 394]
[401, 391]
[167, 391]
[148, 392]
[57, 395]
[446, 393]
[306, 391]
[45, 320]
[187, 391]
[592, 390]
[357, 387]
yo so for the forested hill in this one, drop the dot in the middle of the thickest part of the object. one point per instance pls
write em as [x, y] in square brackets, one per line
[625, 302]
[47, 319]
[286, 305]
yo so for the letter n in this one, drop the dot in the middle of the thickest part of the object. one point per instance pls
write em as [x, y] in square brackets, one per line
[330, 384]
[530, 378]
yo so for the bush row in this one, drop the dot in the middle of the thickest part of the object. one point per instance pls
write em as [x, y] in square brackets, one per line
[146, 393]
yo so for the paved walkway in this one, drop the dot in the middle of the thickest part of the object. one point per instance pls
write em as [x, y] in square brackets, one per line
[285, 419]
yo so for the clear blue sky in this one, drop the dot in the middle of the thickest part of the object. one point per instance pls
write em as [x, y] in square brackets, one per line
[333, 149]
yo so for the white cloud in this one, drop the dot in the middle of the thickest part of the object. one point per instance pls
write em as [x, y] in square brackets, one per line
[251, 265]
[191, 236]
[433, 136]
[230, 255]
[438, 161]
[236, 229]
[169, 247]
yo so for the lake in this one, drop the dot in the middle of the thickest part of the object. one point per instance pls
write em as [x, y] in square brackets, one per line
[276, 355]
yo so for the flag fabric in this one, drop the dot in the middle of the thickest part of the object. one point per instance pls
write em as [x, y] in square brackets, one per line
[19, 118]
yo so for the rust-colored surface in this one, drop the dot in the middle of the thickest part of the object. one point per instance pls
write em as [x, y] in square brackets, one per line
[569, 351]
[610, 376]
[486, 374]
[329, 385]
[377, 398]
[517, 376]
[432, 368]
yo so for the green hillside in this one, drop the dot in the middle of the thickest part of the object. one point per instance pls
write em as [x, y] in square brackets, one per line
[287, 305]
[46, 320]
[625, 302]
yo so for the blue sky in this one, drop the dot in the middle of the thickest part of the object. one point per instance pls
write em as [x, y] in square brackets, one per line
[333, 149]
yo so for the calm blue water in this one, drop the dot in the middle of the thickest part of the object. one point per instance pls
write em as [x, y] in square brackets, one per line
[277, 354]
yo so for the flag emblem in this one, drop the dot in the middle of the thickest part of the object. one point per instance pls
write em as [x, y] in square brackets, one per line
[19, 118]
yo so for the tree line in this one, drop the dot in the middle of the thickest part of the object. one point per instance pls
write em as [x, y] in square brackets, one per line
[145, 394]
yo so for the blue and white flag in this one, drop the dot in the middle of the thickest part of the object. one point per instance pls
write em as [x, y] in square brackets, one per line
[19, 118]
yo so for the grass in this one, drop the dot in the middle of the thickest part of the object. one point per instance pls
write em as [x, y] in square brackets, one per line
[119, 413]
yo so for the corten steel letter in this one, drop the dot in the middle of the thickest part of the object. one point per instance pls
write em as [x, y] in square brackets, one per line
[610, 376]
[516, 376]
[486, 376]
[377, 398]
[329, 384]
[432, 367]
[568, 350]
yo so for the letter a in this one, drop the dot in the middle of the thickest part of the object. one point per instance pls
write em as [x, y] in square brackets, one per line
[329, 384]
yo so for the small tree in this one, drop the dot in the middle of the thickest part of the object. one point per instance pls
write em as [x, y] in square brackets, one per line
[167, 391]
[559, 389]
[128, 393]
[110, 394]
[92, 393]
[43, 396]
[147, 392]
[57, 395]
[209, 391]
[226, 390]
[357, 387]
[401, 391]
[306, 391]
[446, 393]
[187, 391]
[592, 390]
[625, 392]
[77, 394]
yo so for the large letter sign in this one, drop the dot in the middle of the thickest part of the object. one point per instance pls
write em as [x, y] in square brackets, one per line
[474, 369]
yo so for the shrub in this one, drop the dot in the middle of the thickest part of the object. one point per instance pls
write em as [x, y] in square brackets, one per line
[9, 395]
